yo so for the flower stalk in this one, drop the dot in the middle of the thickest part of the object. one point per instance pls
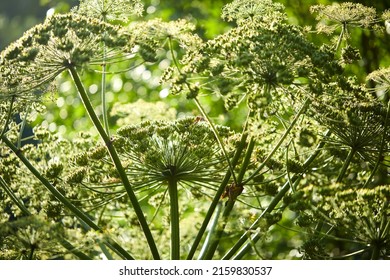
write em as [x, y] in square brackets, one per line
[174, 218]
[116, 161]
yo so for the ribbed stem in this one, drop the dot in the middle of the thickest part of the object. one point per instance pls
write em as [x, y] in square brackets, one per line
[175, 221]
[116, 161]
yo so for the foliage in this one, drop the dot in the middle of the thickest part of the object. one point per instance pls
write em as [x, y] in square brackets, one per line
[262, 142]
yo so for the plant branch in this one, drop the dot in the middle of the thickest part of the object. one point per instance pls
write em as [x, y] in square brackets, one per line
[174, 217]
[217, 197]
[275, 201]
[212, 229]
[103, 97]
[346, 163]
[9, 115]
[281, 140]
[116, 161]
[216, 134]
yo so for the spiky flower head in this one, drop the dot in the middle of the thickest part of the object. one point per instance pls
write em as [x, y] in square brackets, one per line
[184, 150]
[48, 49]
[155, 34]
[257, 62]
[347, 14]
[258, 10]
[355, 119]
[381, 78]
[110, 10]
[360, 216]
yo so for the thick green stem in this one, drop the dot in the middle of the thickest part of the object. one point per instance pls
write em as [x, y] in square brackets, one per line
[275, 201]
[213, 227]
[175, 221]
[216, 239]
[217, 197]
[13, 197]
[116, 161]
[231, 201]
[375, 253]
[22, 127]
[347, 162]
[245, 163]
[75, 210]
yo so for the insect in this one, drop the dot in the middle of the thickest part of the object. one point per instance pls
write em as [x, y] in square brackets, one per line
[199, 119]
[232, 191]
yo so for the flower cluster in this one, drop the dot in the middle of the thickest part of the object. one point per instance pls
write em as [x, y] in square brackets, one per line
[332, 17]
[360, 216]
[139, 111]
[381, 78]
[152, 35]
[48, 49]
[241, 11]
[184, 150]
[110, 10]
[260, 61]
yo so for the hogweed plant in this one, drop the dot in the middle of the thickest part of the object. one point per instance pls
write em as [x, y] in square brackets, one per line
[310, 157]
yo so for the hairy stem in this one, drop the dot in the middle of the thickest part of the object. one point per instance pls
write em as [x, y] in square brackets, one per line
[174, 217]
[116, 161]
